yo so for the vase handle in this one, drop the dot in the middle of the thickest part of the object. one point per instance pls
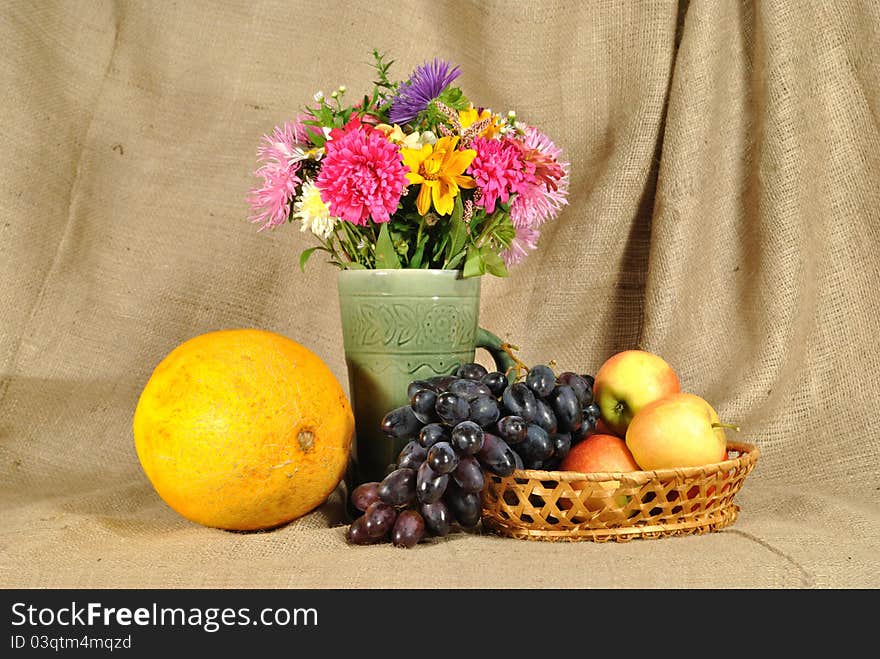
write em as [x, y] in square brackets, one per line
[503, 361]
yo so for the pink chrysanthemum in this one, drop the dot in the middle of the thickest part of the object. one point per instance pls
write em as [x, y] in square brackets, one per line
[544, 199]
[362, 174]
[499, 170]
[525, 241]
[270, 203]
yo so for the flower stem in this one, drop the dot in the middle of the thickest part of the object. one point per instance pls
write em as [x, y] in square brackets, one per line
[486, 233]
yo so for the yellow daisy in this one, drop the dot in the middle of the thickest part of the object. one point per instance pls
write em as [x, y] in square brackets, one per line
[471, 116]
[439, 169]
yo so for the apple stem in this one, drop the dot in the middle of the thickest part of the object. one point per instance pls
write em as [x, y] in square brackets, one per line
[729, 426]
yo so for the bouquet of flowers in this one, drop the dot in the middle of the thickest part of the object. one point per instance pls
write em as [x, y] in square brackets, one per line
[413, 175]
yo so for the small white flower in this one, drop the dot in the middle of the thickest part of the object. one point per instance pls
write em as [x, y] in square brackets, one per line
[319, 96]
[342, 89]
[313, 213]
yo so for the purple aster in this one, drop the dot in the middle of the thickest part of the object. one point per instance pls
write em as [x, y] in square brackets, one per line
[425, 84]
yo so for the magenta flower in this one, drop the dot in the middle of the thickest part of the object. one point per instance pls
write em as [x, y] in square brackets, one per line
[525, 241]
[425, 84]
[362, 174]
[499, 170]
[270, 202]
[542, 200]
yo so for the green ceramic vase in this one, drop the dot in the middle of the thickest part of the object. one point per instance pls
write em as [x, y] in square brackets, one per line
[399, 326]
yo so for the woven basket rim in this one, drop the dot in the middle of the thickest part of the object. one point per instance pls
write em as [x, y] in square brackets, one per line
[748, 453]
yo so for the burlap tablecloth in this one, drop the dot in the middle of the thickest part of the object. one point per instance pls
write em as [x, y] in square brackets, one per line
[725, 213]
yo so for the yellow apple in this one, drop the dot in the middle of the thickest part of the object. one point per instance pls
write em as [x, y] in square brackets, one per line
[627, 382]
[678, 430]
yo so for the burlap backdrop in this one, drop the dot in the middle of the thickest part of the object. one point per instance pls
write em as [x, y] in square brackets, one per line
[725, 212]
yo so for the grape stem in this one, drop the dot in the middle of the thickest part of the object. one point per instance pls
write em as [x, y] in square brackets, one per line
[519, 365]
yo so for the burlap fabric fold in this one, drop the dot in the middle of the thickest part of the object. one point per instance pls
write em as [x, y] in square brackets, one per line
[724, 213]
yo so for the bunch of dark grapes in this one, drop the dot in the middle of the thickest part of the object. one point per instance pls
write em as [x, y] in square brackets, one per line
[458, 428]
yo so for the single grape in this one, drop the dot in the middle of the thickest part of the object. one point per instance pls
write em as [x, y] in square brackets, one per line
[401, 423]
[537, 445]
[422, 403]
[469, 389]
[467, 438]
[452, 409]
[411, 455]
[520, 400]
[430, 485]
[535, 464]
[379, 519]
[545, 417]
[431, 434]
[365, 494]
[408, 530]
[438, 519]
[512, 429]
[518, 461]
[584, 431]
[410, 461]
[471, 371]
[561, 445]
[484, 411]
[566, 407]
[591, 381]
[466, 507]
[469, 474]
[497, 456]
[419, 385]
[541, 379]
[399, 487]
[357, 533]
[442, 458]
[441, 382]
[592, 414]
[582, 389]
[496, 381]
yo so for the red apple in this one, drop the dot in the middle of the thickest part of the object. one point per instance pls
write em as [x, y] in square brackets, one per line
[678, 430]
[627, 382]
[600, 453]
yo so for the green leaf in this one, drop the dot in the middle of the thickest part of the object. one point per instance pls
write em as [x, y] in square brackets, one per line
[454, 98]
[315, 137]
[458, 231]
[354, 265]
[416, 260]
[493, 262]
[304, 256]
[473, 264]
[440, 246]
[386, 255]
[455, 261]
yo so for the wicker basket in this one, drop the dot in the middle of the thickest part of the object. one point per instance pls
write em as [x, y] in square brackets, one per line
[571, 506]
